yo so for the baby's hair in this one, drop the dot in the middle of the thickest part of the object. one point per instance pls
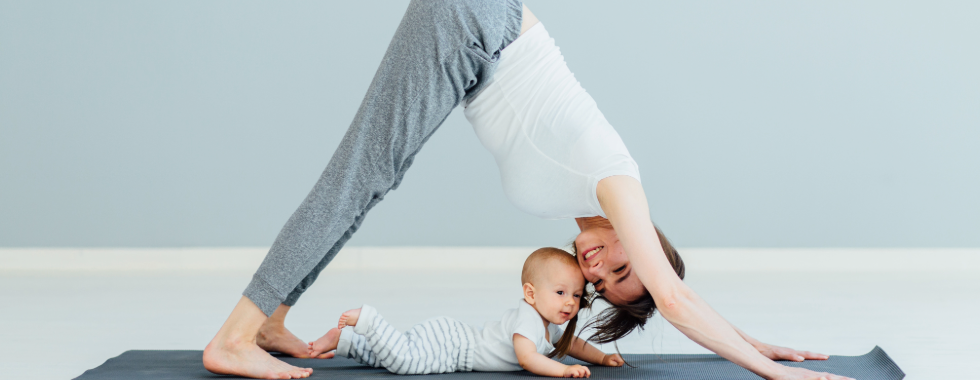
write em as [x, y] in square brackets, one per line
[533, 270]
[537, 259]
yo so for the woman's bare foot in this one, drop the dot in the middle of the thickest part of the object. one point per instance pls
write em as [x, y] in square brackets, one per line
[320, 348]
[277, 338]
[233, 350]
[349, 318]
[248, 360]
[273, 336]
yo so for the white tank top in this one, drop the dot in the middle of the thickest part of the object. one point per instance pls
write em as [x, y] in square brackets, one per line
[551, 143]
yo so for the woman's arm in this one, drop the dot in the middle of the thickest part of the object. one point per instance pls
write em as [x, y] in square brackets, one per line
[586, 352]
[625, 204]
[529, 359]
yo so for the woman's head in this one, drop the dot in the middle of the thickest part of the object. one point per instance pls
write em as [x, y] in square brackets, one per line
[603, 262]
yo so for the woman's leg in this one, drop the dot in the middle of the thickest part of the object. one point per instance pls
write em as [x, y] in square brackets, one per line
[279, 338]
[442, 53]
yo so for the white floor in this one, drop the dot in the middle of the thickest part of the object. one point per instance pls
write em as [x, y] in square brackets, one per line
[59, 323]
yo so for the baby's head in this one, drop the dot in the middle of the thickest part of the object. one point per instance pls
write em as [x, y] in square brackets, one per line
[555, 287]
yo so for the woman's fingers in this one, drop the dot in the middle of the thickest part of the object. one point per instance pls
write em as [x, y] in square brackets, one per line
[796, 373]
[830, 376]
[813, 355]
[806, 355]
[783, 353]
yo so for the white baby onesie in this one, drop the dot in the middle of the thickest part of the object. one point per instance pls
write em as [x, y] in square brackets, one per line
[494, 348]
[551, 142]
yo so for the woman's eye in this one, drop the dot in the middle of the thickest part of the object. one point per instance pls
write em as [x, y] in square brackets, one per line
[620, 269]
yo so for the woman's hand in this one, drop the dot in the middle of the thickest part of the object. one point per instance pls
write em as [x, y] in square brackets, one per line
[784, 353]
[577, 371]
[793, 373]
[613, 360]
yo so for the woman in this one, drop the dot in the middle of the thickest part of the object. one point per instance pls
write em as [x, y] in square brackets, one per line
[558, 157]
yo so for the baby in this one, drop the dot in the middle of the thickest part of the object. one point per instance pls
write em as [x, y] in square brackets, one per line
[526, 337]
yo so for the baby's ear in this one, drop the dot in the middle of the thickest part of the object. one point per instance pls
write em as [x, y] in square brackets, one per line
[529, 293]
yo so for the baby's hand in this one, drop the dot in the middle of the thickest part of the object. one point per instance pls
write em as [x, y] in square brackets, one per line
[576, 371]
[613, 360]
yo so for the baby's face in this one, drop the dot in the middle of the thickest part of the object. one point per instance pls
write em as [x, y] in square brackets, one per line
[559, 294]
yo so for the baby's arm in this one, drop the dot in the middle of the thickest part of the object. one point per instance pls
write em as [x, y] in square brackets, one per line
[529, 359]
[586, 352]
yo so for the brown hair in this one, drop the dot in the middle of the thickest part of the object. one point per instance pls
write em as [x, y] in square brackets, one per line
[618, 320]
[531, 270]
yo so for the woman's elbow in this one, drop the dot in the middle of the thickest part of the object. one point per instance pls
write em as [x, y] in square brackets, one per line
[669, 305]
[674, 304]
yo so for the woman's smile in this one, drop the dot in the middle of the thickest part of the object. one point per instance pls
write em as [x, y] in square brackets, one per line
[591, 252]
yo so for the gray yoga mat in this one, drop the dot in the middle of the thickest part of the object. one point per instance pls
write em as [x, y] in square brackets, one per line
[160, 365]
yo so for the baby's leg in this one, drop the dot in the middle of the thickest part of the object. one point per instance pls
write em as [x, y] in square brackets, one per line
[320, 348]
[436, 346]
[349, 318]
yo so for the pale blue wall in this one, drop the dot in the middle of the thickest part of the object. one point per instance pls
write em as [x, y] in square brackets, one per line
[755, 123]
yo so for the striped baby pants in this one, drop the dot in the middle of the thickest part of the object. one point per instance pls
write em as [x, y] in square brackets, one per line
[438, 345]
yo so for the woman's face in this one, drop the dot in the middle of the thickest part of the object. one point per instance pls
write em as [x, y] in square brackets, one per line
[604, 263]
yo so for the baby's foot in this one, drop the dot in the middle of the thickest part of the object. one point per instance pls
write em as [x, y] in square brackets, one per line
[321, 348]
[349, 318]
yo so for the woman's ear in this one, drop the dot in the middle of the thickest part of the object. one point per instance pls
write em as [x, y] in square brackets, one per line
[529, 293]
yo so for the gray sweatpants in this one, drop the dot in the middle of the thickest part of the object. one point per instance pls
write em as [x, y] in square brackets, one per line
[438, 345]
[443, 52]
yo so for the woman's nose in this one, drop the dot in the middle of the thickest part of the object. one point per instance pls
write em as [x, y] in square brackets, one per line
[596, 266]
